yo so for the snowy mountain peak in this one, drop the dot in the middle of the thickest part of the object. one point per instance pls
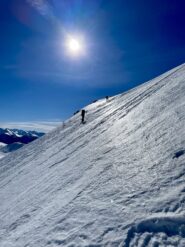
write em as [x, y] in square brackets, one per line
[10, 136]
[117, 180]
[13, 139]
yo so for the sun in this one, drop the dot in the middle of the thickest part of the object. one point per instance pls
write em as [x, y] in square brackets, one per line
[75, 46]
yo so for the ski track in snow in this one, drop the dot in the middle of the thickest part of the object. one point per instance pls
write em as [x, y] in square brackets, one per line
[118, 180]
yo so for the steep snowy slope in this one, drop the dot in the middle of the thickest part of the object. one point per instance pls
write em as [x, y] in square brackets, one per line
[118, 180]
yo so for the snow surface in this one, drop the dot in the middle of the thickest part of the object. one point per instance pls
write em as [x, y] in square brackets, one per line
[118, 180]
[11, 147]
[2, 155]
[2, 146]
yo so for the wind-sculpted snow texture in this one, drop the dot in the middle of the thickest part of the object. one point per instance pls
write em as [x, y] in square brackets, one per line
[118, 180]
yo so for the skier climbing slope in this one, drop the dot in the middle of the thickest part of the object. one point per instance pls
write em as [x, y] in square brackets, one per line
[83, 116]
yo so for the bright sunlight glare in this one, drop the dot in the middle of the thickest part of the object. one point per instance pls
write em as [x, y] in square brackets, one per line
[75, 46]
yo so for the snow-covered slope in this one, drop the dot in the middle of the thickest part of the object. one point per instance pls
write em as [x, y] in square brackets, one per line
[11, 147]
[2, 146]
[118, 180]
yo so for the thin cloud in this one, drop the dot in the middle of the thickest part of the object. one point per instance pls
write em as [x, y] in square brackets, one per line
[43, 7]
[43, 126]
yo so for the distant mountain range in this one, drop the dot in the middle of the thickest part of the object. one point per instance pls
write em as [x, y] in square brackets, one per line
[9, 136]
[13, 139]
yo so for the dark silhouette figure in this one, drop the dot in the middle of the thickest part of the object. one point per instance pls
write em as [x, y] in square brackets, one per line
[83, 116]
[107, 97]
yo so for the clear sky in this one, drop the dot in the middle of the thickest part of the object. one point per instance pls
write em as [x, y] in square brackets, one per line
[125, 43]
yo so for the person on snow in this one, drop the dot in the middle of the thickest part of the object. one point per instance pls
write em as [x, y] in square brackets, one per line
[83, 116]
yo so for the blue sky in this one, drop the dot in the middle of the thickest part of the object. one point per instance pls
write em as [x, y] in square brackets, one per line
[127, 43]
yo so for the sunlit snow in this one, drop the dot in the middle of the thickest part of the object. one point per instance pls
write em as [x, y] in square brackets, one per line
[118, 180]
